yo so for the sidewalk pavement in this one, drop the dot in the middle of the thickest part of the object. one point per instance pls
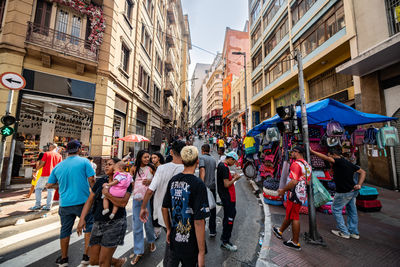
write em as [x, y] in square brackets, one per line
[15, 207]
[377, 246]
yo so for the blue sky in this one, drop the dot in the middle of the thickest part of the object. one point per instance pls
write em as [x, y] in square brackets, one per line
[208, 20]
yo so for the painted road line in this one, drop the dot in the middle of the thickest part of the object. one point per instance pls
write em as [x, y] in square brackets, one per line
[28, 234]
[40, 252]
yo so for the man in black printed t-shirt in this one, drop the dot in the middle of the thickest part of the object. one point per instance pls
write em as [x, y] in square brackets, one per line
[186, 200]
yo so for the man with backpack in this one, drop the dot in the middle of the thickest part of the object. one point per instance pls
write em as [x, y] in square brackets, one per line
[300, 174]
[346, 192]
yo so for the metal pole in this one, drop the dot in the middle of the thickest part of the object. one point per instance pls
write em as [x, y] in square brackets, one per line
[13, 142]
[3, 139]
[245, 94]
[312, 236]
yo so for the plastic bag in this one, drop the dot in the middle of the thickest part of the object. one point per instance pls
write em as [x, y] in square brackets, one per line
[321, 195]
[211, 199]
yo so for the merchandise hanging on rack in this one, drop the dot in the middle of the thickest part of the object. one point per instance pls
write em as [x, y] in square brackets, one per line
[331, 125]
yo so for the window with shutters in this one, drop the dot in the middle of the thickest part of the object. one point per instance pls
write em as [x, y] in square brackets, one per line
[42, 17]
[157, 94]
[125, 57]
[2, 11]
[144, 80]
[146, 40]
[128, 10]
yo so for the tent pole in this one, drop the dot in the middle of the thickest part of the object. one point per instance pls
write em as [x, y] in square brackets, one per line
[312, 237]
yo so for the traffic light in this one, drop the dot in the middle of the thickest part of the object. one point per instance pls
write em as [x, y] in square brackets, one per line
[7, 130]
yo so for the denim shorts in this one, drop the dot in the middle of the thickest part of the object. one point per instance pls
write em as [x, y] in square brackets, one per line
[108, 233]
[68, 216]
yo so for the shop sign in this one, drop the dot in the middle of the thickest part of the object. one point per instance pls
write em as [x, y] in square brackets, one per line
[12, 81]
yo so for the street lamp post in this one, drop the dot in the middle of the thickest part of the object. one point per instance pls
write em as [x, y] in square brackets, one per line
[246, 114]
[312, 237]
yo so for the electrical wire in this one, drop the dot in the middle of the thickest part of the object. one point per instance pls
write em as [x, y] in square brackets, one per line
[180, 39]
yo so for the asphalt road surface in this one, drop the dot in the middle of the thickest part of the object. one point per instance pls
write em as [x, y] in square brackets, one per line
[36, 243]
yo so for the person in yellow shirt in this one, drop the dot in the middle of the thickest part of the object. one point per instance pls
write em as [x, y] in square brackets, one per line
[221, 142]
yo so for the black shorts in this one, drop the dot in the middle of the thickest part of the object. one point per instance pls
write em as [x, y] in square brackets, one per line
[108, 234]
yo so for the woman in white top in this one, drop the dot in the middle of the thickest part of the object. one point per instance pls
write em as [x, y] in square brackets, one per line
[142, 175]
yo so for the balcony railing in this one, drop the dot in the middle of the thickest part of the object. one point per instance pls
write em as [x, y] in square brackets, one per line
[171, 14]
[169, 89]
[170, 37]
[167, 114]
[61, 42]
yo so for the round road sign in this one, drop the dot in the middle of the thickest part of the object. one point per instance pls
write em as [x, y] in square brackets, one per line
[12, 80]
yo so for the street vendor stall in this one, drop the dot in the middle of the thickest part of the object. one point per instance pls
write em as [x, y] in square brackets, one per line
[331, 124]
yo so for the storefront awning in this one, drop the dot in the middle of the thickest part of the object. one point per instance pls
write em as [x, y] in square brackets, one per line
[324, 111]
[376, 58]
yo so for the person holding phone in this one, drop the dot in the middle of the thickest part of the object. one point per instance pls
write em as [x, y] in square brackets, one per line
[227, 193]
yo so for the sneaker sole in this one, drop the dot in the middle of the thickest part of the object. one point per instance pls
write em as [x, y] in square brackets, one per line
[85, 262]
[296, 249]
[227, 249]
[62, 265]
[277, 235]
[342, 236]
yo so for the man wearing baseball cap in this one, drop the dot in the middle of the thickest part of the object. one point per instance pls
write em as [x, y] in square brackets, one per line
[74, 176]
[227, 193]
[300, 174]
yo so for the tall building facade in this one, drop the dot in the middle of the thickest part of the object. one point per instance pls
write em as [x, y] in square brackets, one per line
[196, 92]
[212, 95]
[95, 71]
[331, 36]
[375, 66]
[235, 41]
[320, 30]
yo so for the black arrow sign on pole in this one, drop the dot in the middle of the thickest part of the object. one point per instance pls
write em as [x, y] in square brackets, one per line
[10, 80]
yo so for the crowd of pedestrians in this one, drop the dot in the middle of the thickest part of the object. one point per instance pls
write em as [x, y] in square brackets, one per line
[166, 197]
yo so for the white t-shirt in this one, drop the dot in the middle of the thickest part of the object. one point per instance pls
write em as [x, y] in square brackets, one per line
[221, 159]
[159, 184]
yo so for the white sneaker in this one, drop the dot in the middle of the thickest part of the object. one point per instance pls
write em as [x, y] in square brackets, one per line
[340, 234]
[355, 236]
[105, 211]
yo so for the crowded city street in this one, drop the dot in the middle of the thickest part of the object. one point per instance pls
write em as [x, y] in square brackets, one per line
[193, 133]
[36, 243]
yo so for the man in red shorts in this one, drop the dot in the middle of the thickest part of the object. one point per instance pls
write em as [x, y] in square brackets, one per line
[300, 174]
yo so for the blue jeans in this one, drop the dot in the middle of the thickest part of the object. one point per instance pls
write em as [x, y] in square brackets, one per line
[348, 200]
[40, 185]
[138, 237]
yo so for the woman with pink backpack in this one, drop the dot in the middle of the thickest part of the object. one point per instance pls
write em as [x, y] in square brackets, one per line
[142, 174]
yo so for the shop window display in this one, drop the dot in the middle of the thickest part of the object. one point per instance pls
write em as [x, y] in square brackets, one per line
[51, 120]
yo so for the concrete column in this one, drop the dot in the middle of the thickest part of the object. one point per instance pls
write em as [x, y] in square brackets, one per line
[85, 134]
[48, 129]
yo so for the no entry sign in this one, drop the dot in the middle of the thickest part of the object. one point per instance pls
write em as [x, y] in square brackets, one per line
[12, 80]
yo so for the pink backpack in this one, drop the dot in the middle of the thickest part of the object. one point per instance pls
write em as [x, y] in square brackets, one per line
[357, 138]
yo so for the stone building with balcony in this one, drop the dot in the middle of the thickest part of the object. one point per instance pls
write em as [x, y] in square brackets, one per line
[95, 71]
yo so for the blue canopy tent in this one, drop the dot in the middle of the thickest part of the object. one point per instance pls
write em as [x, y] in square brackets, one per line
[324, 111]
